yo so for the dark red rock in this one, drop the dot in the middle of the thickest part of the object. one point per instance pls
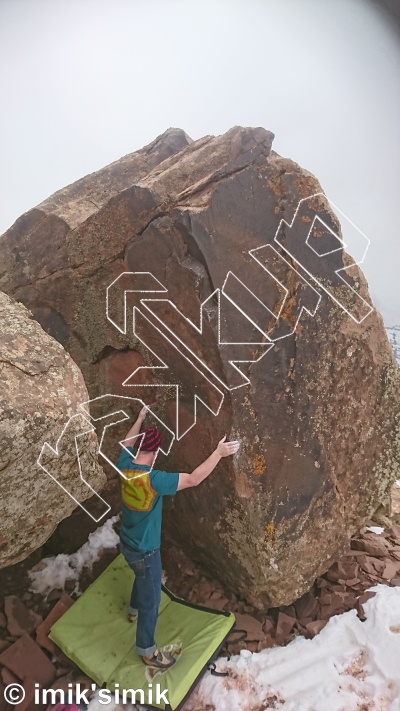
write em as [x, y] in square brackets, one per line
[42, 631]
[394, 532]
[338, 587]
[54, 595]
[253, 627]
[352, 582]
[302, 630]
[189, 571]
[28, 704]
[302, 623]
[19, 618]
[70, 585]
[306, 606]
[363, 598]
[268, 626]
[332, 576]
[342, 570]
[217, 603]
[391, 569]
[284, 627]
[3, 702]
[267, 643]
[335, 607]
[236, 647]
[204, 591]
[26, 659]
[325, 598]
[349, 600]
[61, 671]
[315, 627]
[347, 568]
[8, 677]
[375, 548]
[373, 566]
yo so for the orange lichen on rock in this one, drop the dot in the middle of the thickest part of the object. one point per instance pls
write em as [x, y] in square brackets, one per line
[270, 532]
[307, 185]
[276, 185]
[259, 464]
[287, 310]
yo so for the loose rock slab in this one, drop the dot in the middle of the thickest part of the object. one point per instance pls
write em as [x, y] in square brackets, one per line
[19, 618]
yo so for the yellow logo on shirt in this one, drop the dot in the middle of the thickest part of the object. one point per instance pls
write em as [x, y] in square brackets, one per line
[136, 491]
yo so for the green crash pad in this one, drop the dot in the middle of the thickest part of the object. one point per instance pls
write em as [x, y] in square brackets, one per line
[96, 634]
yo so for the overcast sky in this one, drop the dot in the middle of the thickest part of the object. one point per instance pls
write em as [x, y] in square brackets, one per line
[84, 82]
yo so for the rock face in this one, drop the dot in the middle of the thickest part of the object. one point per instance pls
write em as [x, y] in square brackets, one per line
[40, 389]
[314, 395]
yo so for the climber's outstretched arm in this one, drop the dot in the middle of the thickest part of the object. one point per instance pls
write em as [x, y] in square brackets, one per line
[224, 449]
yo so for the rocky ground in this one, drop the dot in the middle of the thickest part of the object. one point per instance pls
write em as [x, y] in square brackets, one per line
[373, 558]
[28, 656]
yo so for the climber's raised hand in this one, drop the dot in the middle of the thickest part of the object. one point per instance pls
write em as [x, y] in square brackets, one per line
[143, 412]
[225, 449]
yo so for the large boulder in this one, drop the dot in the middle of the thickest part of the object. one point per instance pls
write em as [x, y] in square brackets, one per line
[314, 396]
[40, 389]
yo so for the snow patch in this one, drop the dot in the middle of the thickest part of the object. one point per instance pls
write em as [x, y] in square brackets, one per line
[349, 666]
[52, 572]
[376, 529]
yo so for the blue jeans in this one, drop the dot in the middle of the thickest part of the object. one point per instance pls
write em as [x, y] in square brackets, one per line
[145, 596]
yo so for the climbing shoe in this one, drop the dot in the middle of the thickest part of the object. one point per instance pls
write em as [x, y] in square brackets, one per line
[159, 660]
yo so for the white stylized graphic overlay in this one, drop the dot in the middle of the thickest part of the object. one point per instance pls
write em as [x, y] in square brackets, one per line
[157, 320]
[288, 240]
[50, 454]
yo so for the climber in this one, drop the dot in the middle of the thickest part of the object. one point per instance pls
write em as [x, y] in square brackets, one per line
[142, 489]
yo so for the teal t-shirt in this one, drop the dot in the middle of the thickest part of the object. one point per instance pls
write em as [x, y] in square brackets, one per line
[141, 495]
